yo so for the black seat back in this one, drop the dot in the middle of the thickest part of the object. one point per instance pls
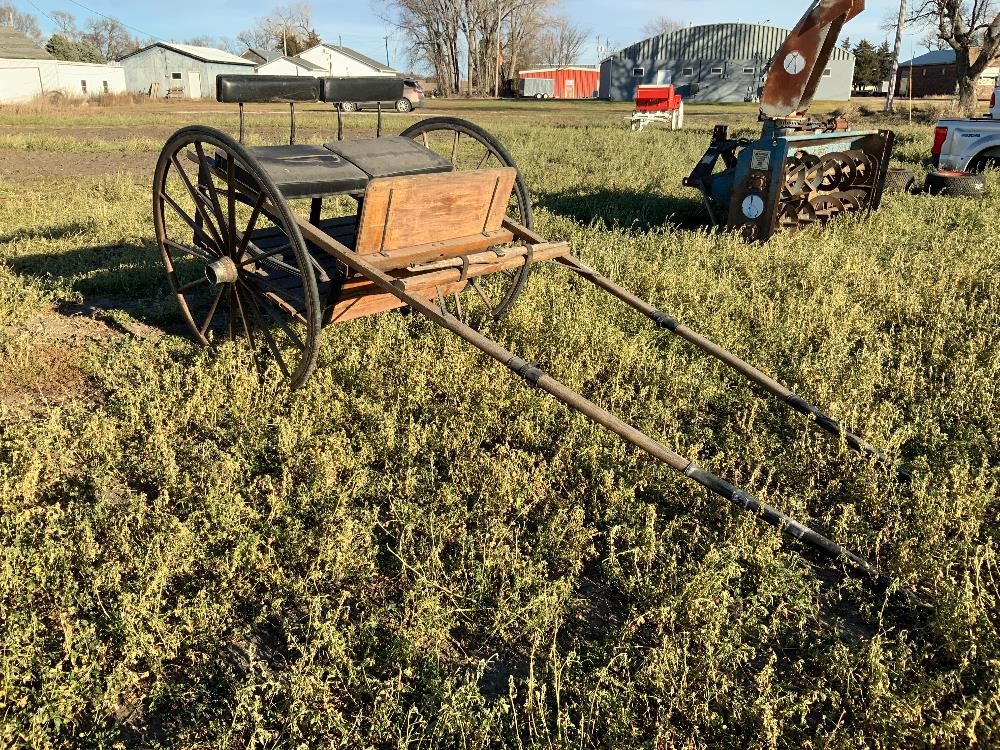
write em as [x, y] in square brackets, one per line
[242, 89]
[336, 90]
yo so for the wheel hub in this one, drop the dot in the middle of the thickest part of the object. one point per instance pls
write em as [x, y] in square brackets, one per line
[222, 271]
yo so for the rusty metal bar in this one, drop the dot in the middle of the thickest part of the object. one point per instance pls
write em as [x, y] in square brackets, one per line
[577, 402]
[750, 372]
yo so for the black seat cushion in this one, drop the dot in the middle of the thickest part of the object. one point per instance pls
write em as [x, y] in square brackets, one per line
[390, 156]
[305, 171]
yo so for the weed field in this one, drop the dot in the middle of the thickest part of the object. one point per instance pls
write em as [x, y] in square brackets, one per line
[417, 551]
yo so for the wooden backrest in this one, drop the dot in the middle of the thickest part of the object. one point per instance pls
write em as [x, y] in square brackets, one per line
[402, 212]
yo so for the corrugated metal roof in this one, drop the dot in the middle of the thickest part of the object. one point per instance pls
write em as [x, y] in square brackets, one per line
[934, 57]
[205, 54]
[305, 63]
[719, 41]
[16, 46]
[265, 54]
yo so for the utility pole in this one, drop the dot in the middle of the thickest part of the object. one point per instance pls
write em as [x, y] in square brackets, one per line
[895, 56]
[387, 63]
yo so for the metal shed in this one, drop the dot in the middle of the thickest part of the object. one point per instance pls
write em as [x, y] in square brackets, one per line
[181, 69]
[568, 81]
[723, 62]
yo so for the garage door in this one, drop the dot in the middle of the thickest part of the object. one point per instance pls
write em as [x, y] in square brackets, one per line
[18, 84]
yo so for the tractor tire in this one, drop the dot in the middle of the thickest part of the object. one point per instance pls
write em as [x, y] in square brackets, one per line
[899, 181]
[955, 183]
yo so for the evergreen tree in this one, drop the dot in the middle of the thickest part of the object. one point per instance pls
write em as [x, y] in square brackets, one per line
[867, 68]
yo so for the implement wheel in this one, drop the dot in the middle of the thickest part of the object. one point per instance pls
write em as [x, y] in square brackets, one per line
[955, 183]
[899, 181]
[234, 256]
[469, 147]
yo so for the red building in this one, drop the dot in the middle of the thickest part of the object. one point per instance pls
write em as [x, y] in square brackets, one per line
[567, 82]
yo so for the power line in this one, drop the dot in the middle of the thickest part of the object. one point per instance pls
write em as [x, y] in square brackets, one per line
[111, 18]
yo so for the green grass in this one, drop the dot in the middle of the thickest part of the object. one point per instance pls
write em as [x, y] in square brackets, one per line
[417, 551]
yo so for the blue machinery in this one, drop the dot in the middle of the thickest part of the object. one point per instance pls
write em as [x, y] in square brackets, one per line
[800, 171]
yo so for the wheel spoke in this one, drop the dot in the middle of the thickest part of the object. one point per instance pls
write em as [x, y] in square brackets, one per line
[191, 285]
[211, 311]
[243, 317]
[279, 319]
[266, 333]
[423, 137]
[454, 148]
[198, 231]
[199, 201]
[197, 253]
[265, 255]
[482, 294]
[269, 260]
[251, 224]
[231, 200]
[486, 158]
[206, 169]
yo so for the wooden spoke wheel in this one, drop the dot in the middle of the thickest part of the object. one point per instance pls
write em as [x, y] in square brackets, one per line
[234, 256]
[470, 147]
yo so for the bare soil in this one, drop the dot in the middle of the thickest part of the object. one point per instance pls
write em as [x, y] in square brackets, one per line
[24, 167]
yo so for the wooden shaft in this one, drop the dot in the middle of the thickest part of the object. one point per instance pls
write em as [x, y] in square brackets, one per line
[581, 404]
[750, 372]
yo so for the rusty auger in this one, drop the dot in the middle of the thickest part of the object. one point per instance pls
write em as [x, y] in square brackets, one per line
[750, 372]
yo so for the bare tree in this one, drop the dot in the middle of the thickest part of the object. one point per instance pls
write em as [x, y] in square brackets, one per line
[972, 30]
[65, 25]
[287, 29]
[110, 37]
[26, 23]
[486, 38]
[661, 25]
[561, 43]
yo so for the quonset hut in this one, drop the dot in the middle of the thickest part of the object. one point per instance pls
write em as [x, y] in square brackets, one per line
[724, 62]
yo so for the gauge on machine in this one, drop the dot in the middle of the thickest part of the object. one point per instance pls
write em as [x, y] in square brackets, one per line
[753, 206]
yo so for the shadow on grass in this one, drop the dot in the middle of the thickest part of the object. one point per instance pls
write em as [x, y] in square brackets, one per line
[634, 209]
[115, 277]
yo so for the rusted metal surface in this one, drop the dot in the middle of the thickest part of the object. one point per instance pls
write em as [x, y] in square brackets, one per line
[797, 67]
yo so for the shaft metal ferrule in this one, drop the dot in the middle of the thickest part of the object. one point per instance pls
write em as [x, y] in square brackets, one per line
[526, 370]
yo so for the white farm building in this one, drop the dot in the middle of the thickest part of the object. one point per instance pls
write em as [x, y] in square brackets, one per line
[27, 71]
[334, 60]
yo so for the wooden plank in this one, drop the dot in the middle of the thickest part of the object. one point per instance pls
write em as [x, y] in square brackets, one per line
[449, 275]
[358, 307]
[406, 212]
[438, 250]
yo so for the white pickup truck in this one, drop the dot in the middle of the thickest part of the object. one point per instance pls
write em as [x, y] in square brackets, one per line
[968, 145]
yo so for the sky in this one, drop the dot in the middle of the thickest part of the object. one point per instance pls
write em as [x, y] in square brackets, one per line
[357, 22]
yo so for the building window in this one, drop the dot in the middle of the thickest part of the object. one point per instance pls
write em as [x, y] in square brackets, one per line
[827, 73]
[176, 76]
[687, 71]
[83, 86]
[749, 71]
[638, 72]
[717, 71]
[106, 89]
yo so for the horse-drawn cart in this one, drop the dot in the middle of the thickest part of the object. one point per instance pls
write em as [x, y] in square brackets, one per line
[437, 211]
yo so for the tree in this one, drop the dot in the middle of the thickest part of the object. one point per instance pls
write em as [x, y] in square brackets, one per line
[65, 25]
[866, 65]
[62, 48]
[288, 30]
[561, 43]
[110, 37]
[26, 23]
[488, 39]
[972, 30]
[661, 25]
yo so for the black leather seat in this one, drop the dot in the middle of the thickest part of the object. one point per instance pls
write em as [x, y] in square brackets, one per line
[307, 171]
[390, 156]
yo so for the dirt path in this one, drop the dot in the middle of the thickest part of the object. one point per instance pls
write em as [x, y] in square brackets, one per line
[24, 167]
